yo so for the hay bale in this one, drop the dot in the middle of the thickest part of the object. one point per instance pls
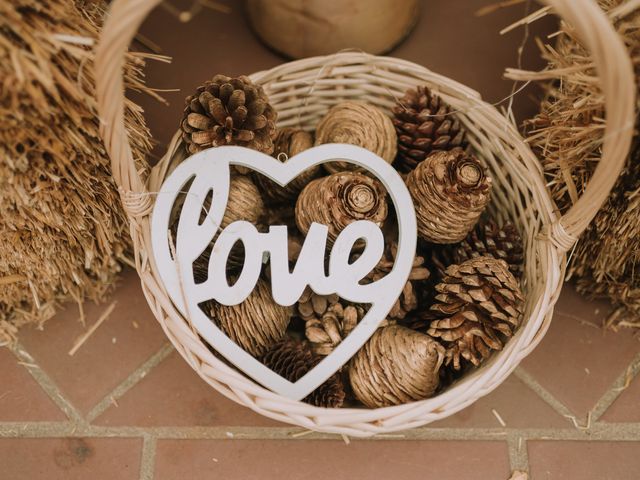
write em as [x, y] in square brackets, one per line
[568, 135]
[63, 231]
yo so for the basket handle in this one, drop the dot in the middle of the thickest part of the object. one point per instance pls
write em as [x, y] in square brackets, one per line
[609, 53]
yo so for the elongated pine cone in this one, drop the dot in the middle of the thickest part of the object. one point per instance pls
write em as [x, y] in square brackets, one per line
[287, 144]
[228, 111]
[396, 365]
[255, 324]
[328, 319]
[478, 308]
[487, 239]
[408, 300]
[424, 124]
[450, 190]
[340, 199]
[360, 124]
[292, 360]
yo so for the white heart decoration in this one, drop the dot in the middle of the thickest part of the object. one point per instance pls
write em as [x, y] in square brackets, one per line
[210, 171]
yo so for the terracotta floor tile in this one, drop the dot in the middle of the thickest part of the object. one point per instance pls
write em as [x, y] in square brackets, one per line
[21, 398]
[173, 395]
[514, 402]
[70, 458]
[626, 408]
[554, 460]
[577, 362]
[572, 304]
[328, 459]
[125, 340]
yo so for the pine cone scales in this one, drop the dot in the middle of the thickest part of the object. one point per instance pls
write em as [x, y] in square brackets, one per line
[228, 111]
[450, 190]
[423, 124]
[487, 239]
[340, 199]
[255, 324]
[292, 361]
[479, 305]
[396, 365]
[328, 320]
[408, 300]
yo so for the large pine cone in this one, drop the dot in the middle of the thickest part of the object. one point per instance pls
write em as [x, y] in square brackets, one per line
[360, 124]
[287, 144]
[292, 360]
[450, 190]
[228, 111]
[396, 365]
[340, 199]
[478, 307]
[408, 300]
[255, 324]
[424, 124]
[487, 239]
[328, 319]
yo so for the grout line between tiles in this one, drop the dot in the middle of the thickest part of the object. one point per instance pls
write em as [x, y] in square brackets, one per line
[598, 431]
[518, 455]
[148, 458]
[46, 383]
[545, 395]
[135, 376]
[616, 389]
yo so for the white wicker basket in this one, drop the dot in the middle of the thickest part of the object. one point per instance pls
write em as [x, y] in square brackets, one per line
[302, 91]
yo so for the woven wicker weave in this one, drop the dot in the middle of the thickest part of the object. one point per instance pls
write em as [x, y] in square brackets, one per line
[302, 91]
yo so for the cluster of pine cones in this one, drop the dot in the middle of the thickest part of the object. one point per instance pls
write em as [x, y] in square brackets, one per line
[463, 298]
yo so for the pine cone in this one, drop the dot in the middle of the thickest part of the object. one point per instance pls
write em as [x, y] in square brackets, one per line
[396, 366]
[292, 360]
[487, 239]
[288, 143]
[228, 111]
[340, 199]
[450, 191]
[360, 124]
[255, 324]
[478, 307]
[424, 124]
[408, 300]
[328, 320]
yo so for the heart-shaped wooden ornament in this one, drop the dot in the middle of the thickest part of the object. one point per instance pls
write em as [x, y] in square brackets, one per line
[209, 173]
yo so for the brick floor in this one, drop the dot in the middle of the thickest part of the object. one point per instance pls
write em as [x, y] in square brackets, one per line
[126, 406]
[322, 459]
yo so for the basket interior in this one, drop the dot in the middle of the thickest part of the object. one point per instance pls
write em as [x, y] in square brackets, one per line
[302, 92]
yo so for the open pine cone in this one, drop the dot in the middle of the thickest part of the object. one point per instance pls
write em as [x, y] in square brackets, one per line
[408, 300]
[487, 239]
[396, 365]
[478, 307]
[228, 111]
[450, 190]
[292, 360]
[424, 124]
[328, 320]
